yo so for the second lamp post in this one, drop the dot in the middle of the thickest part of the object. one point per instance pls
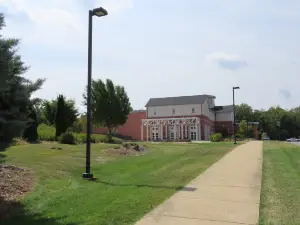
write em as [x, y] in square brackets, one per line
[234, 122]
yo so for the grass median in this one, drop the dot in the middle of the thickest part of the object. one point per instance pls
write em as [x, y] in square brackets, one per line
[280, 196]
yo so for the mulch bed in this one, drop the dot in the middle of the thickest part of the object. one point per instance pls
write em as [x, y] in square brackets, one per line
[127, 149]
[14, 183]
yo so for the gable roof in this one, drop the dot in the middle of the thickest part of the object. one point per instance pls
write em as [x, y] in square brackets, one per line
[181, 100]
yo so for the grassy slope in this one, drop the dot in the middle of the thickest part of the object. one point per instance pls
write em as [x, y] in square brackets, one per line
[280, 198]
[127, 186]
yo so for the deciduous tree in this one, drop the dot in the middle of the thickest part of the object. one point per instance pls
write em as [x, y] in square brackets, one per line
[110, 104]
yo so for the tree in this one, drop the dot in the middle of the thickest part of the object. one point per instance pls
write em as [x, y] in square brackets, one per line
[110, 105]
[244, 112]
[271, 120]
[243, 128]
[60, 116]
[79, 125]
[48, 112]
[31, 133]
[15, 90]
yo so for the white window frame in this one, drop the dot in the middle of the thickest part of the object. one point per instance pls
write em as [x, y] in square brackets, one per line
[173, 111]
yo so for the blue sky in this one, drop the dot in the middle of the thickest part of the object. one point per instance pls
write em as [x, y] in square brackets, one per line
[164, 48]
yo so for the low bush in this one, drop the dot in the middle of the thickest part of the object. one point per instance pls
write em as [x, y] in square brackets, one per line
[117, 140]
[46, 133]
[240, 136]
[67, 138]
[217, 137]
[96, 138]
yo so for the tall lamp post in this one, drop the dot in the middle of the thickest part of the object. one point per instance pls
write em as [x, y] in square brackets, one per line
[234, 123]
[99, 12]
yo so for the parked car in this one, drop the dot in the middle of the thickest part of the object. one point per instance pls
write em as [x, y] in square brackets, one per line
[292, 140]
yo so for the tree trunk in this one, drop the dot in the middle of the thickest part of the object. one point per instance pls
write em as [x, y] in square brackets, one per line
[109, 135]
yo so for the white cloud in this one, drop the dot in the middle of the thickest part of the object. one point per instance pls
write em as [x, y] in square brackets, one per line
[227, 61]
[285, 93]
[45, 13]
[59, 23]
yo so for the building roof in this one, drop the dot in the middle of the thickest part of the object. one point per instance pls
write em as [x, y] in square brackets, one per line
[224, 108]
[181, 100]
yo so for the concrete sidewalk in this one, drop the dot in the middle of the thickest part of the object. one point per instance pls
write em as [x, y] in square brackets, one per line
[228, 193]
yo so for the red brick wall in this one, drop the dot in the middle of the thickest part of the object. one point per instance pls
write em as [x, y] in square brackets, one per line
[133, 125]
[131, 128]
[225, 124]
[100, 130]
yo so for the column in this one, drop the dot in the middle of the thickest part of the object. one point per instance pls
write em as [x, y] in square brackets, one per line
[166, 132]
[196, 125]
[199, 130]
[161, 132]
[174, 131]
[147, 132]
[186, 132]
[142, 132]
[182, 131]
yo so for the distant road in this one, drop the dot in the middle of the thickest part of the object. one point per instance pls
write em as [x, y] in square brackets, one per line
[296, 143]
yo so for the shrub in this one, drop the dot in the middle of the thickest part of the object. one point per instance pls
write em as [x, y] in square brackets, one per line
[216, 137]
[100, 138]
[96, 138]
[80, 137]
[67, 138]
[46, 133]
[117, 140]
[240, 136]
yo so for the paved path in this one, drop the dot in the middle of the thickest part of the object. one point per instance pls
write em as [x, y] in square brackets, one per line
[227, 193]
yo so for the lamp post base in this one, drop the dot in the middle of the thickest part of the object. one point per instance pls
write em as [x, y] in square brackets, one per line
[88, 176]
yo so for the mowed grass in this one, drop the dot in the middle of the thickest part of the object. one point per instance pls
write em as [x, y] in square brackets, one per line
[280, 197]
[127, 187]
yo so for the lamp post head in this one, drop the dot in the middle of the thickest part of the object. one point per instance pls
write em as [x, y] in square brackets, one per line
[236, 87]
[99, 12]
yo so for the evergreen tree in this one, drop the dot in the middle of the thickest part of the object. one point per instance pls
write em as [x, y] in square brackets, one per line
[60, 116]
[48, 112]
[31, 133]
[15, 90]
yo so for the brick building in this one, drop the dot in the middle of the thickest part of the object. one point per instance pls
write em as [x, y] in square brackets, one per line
[173, 118]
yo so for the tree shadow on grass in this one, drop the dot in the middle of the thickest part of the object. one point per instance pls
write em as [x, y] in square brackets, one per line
[2, 158]
[176, 188]
[14, 213]
[4, 146]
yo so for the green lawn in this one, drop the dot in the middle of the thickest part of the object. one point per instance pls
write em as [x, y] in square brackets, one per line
[126, 189]
[280, 197]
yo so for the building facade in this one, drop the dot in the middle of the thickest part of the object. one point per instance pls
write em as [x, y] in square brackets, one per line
[185, 118]
[177, 118]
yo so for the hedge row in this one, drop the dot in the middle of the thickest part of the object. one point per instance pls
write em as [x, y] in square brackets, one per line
[47, 133]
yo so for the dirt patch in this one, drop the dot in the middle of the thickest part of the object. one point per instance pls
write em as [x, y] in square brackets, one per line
[127, 149]
[101, 159]
[14, 183]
